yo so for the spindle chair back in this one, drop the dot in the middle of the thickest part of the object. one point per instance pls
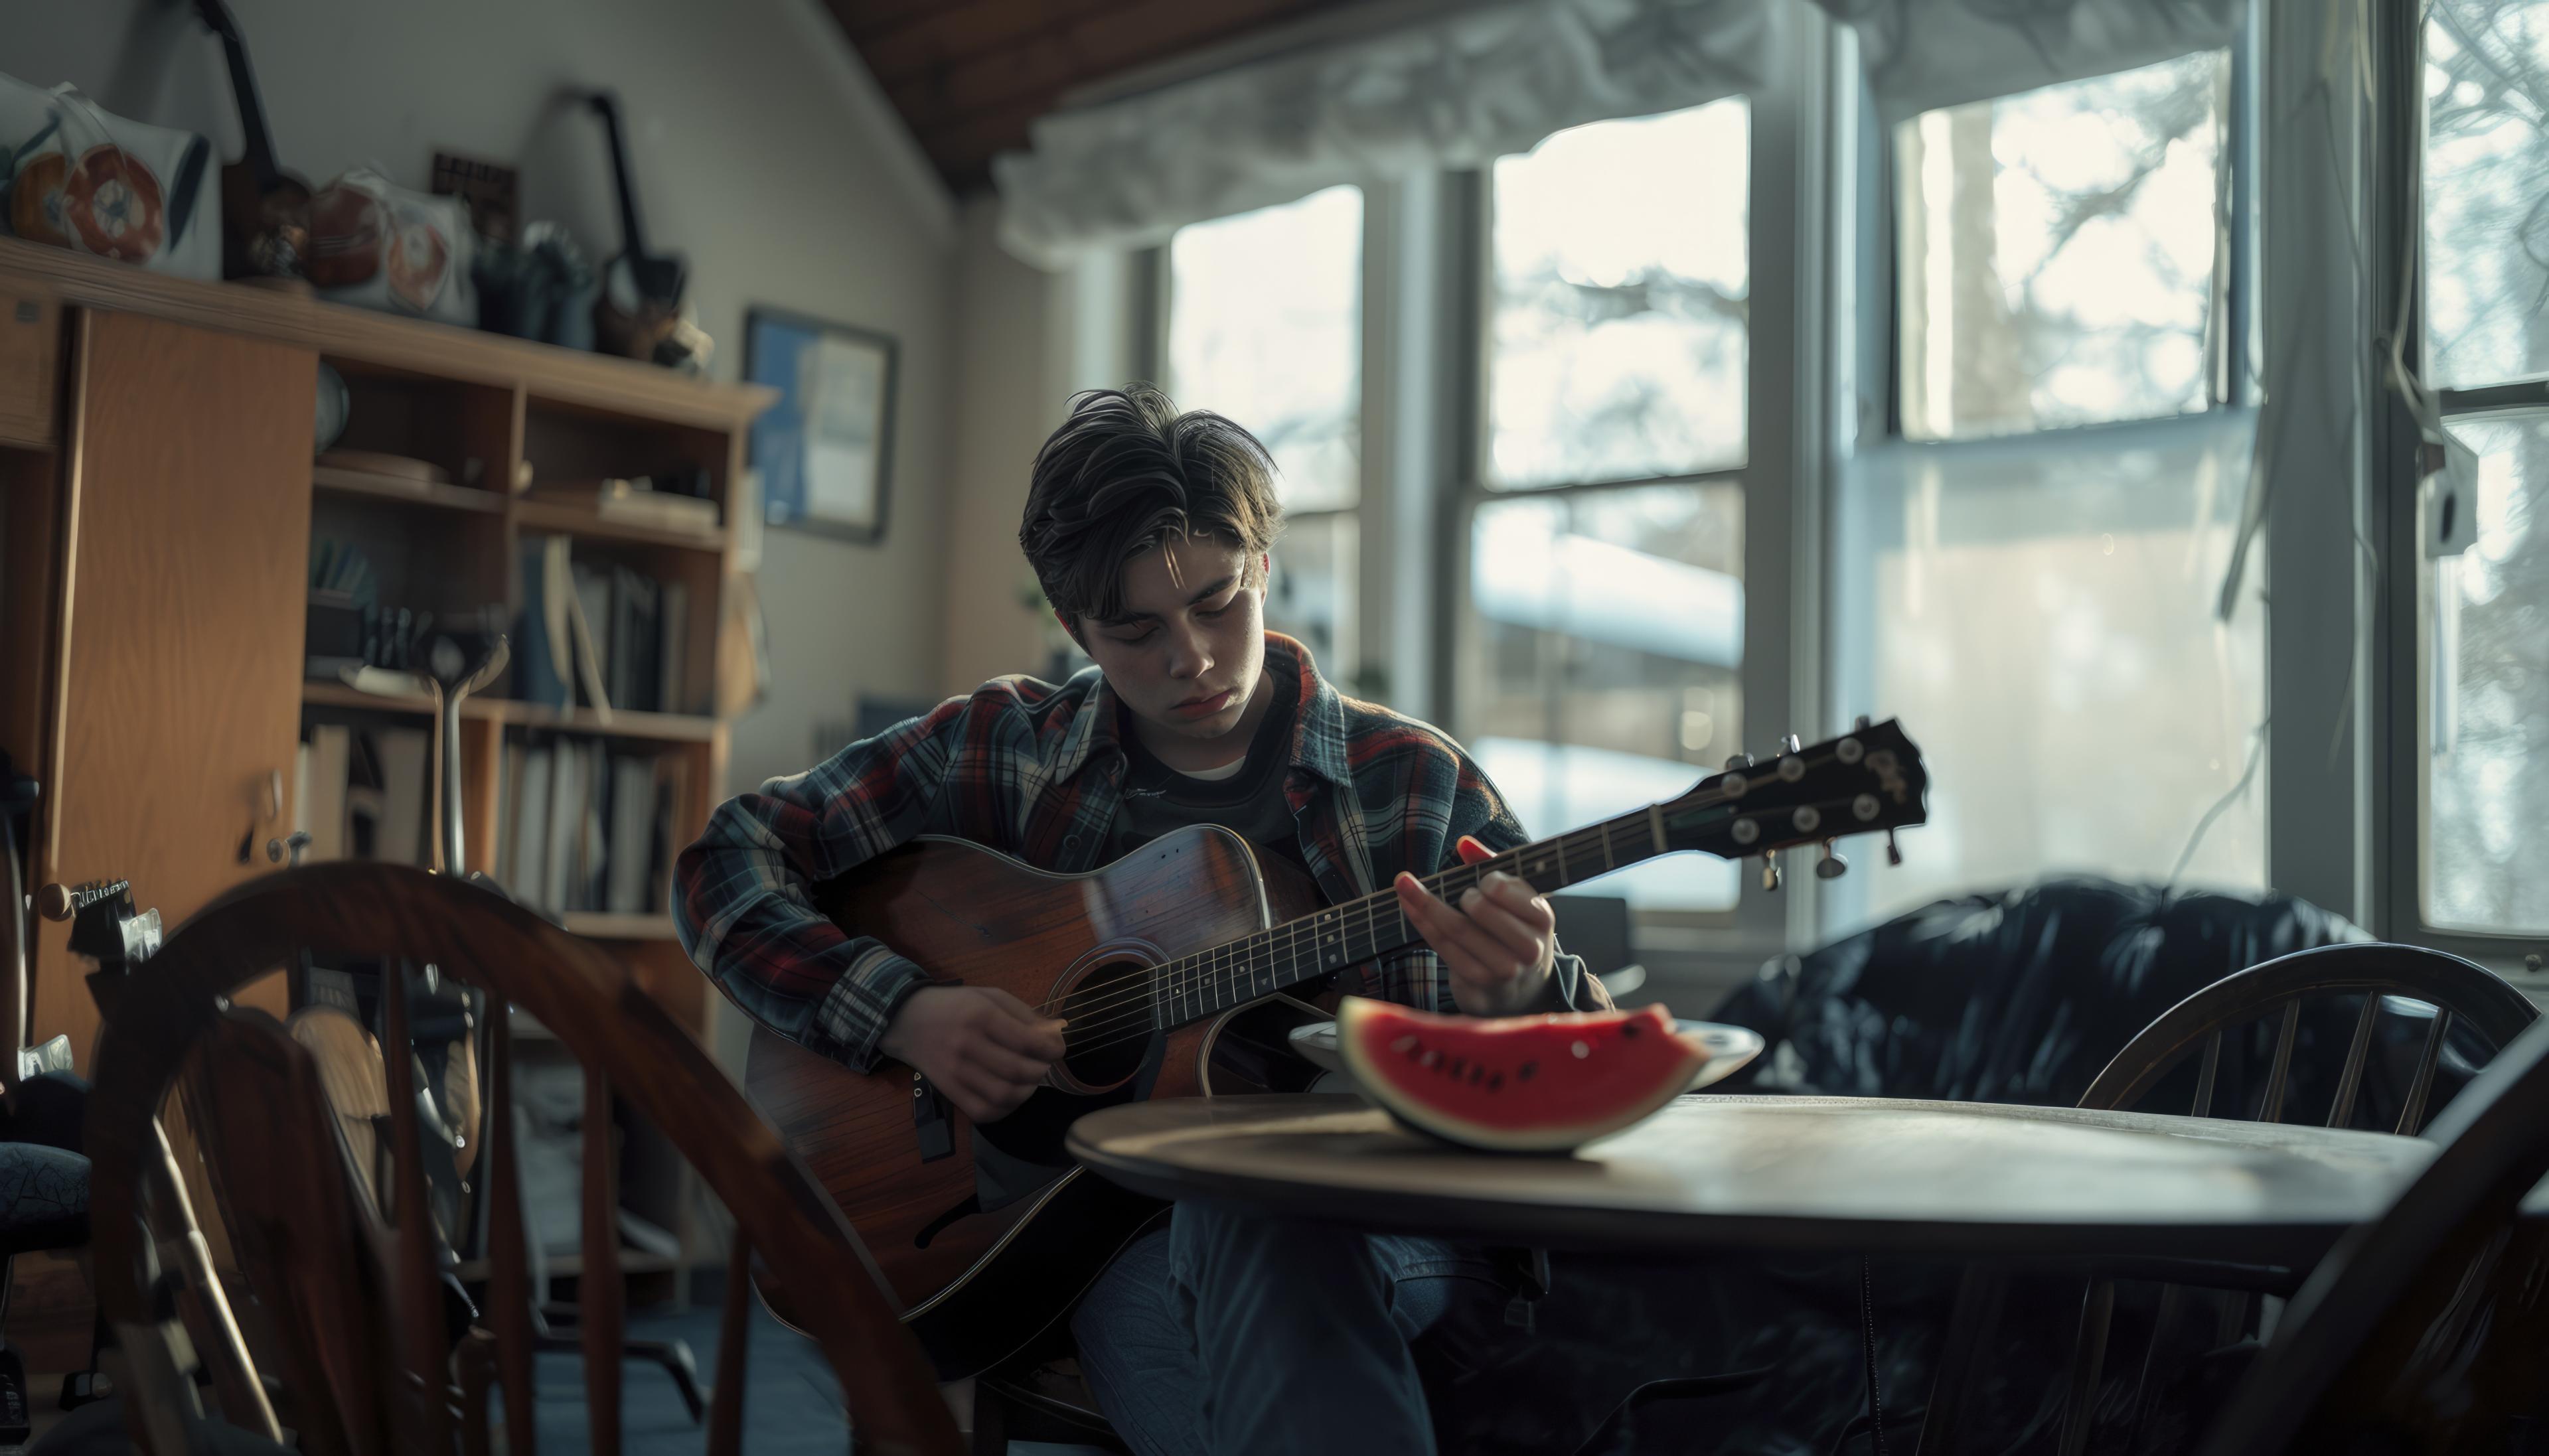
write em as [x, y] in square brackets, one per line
[348, 1311]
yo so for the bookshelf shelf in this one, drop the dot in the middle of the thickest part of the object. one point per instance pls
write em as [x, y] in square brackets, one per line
[665, 727]
[542, 515]
[596, 926]
[656, 727]
[433, 493]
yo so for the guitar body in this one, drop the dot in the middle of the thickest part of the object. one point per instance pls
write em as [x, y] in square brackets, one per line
[985, 1234]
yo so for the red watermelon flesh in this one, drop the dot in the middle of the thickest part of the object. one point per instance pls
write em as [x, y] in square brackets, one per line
[1516, 1083]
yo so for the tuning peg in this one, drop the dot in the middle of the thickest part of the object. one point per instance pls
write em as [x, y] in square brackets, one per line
[1893, 856]
[1831, 866]
[1738, 760]
[1861, 723]
[1790, 743]
[1769, 870]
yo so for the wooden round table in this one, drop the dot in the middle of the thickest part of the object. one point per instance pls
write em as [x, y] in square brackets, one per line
[1839, 1174]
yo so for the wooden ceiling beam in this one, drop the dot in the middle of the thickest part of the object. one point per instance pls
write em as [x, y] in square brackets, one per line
[861, 20]
[1097, 45]
[965, 31]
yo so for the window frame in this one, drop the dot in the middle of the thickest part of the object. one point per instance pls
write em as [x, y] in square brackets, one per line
[1159, 295]
[2400, 764]
[1868, 399]
[1781, 475]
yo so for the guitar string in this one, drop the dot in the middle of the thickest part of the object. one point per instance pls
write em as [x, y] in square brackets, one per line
[1144, 1022]
[1111, 1016]
[1282, 943]
[1110, 1011]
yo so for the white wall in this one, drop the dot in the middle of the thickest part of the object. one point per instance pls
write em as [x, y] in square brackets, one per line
[1010, 374]
[1020, 351]
[761, 149]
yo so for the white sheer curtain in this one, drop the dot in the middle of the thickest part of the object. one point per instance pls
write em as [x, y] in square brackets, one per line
[1456, 91]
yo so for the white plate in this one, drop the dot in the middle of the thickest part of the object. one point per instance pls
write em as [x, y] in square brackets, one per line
[1729, 1048]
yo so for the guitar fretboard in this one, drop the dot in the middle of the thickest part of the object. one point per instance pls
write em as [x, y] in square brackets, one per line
[1209, 982]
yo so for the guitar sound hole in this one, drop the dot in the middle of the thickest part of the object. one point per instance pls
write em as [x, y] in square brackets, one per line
[1109, 1030]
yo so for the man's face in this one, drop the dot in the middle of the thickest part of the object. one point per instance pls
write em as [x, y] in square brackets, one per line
[1187, 651]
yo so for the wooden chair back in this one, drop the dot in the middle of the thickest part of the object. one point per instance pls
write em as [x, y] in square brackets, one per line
[348, 1307]
[2422, 1330]
[2461, 992]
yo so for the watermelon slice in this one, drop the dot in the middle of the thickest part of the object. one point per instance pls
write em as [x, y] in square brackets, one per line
[1516, 1083]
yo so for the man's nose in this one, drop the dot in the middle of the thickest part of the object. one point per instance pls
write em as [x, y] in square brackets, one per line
[1188, 655]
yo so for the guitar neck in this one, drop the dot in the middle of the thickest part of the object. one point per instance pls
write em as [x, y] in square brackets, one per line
[1212, 981]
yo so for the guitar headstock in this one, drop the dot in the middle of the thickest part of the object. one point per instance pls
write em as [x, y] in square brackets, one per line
[1869, 780]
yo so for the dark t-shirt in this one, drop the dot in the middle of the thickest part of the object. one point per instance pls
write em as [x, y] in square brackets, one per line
[1251, 802]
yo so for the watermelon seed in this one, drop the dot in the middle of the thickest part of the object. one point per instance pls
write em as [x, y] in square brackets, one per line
[1522, 1072]
[1629, 1029]
[1431, 1057]
[1475, 1072]
[1403, 1044]
[1496, 1082]
[1455, 1069]
[1582, 1050]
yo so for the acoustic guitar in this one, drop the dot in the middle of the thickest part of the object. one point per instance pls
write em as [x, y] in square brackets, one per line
[1181, 968]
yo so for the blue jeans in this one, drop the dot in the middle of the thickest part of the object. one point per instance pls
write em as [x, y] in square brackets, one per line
[1236, 1335]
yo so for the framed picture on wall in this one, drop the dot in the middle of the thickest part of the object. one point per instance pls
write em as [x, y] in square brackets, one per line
[826, 450]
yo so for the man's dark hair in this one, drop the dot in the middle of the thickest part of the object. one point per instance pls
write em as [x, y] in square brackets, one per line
[1125, 473]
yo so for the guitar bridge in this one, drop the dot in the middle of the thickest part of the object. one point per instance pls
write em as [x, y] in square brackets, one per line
[930, 1126]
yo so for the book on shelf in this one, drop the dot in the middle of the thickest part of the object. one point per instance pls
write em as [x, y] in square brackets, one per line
[634, 502]
[600, 635]
[591, 824]
[362, 794]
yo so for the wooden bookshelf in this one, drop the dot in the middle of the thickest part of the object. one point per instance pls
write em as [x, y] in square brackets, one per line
[549, 515]
[586, 722]
[163, 498]
[436, 494]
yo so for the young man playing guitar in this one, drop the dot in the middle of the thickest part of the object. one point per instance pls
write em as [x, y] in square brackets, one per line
[1149, 531]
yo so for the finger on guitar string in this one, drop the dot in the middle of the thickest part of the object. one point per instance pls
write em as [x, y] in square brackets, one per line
[1451, 934]
[1508, 909]
[1022, 1028]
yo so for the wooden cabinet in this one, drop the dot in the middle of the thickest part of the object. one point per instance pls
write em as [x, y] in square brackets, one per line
[31, 330]
[185, 498]
[159, 506]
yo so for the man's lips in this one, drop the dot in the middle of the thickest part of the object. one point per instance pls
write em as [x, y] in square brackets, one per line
[1205, 707]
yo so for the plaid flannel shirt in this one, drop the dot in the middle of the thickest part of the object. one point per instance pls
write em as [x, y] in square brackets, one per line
[1035, 770]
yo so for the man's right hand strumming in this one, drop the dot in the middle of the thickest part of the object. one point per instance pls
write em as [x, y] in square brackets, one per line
[983, 1048]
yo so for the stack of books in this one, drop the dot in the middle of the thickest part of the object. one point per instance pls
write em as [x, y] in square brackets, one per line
[587, 825]
[360, 793]
[601, 634]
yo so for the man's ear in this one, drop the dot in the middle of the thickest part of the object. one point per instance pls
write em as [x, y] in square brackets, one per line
[1265, 568]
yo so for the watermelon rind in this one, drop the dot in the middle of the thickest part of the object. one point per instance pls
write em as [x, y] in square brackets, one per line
[1384, 1084]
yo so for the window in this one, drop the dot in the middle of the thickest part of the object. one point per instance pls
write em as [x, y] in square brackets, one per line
[2059, 253]
[1264, 325]
[2487, 191]
[2484, 611]
[1601, 650]
[1619, 281]
[2026, 570]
